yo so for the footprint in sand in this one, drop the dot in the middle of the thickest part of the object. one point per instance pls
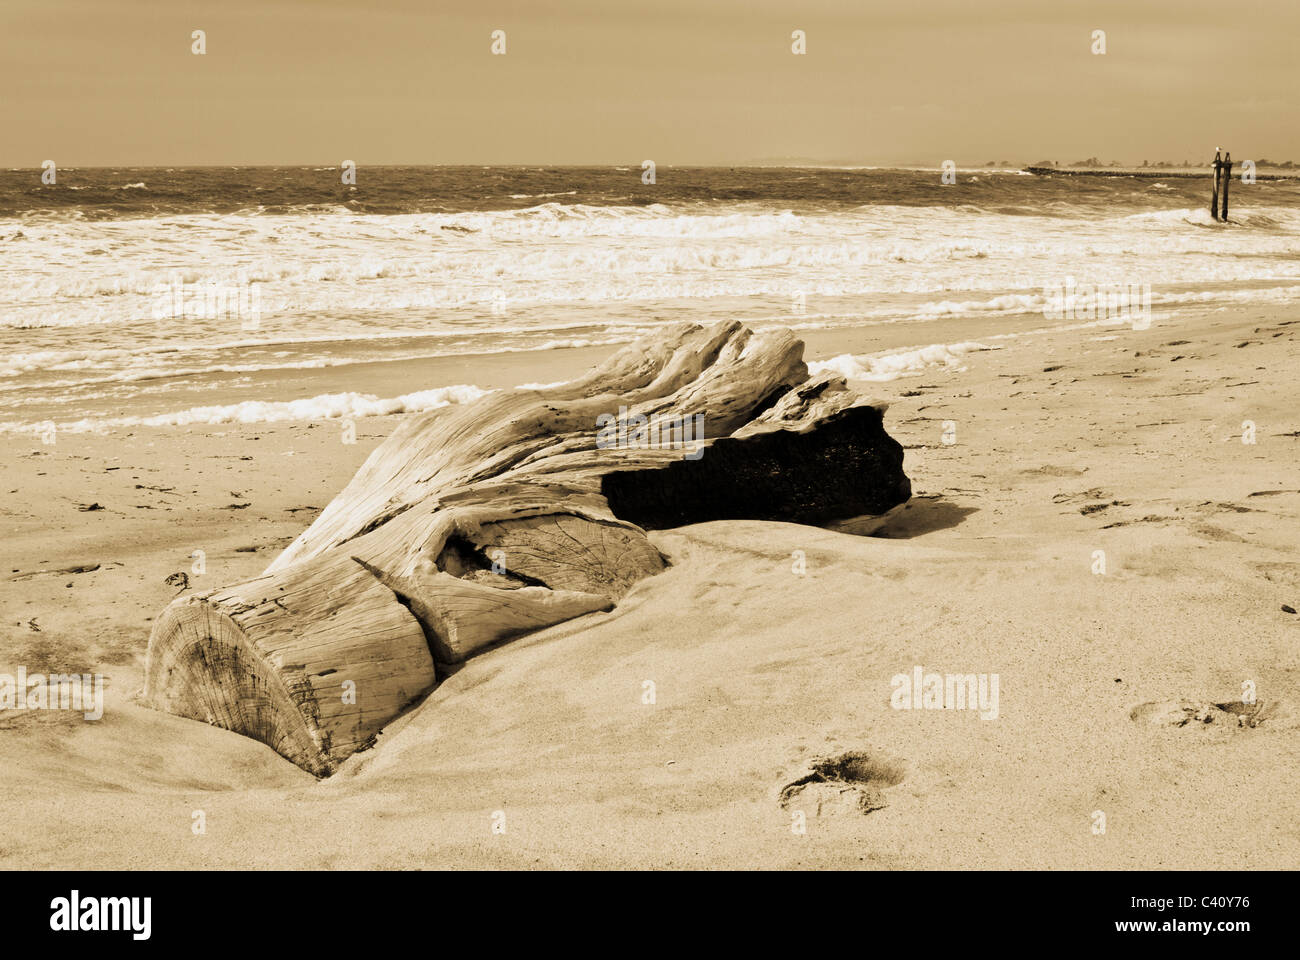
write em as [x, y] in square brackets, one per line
[851, 782]
[1200, 714]
[1054, 470]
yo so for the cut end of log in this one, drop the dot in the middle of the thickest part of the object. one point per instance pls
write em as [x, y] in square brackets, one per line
[311, 666]
[202, 666]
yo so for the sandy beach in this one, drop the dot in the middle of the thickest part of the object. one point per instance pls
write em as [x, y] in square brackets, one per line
[1063, 443]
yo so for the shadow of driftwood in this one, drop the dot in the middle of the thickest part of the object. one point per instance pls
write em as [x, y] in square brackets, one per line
[920, 515]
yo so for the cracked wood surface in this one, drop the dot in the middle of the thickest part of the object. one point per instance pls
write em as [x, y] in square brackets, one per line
[476, 523]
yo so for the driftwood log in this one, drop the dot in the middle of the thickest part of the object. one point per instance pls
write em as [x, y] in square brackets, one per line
[476, 523]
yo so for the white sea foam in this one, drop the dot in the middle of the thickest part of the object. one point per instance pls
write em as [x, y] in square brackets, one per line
[891, 365]
[329, 406]
[542, 386]
[337, 288]
[133, 366]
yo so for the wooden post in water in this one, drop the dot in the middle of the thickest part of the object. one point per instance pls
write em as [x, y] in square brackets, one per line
[1214, 190]
[1227, 176]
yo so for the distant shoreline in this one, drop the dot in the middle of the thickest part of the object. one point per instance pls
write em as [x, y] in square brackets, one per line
[1146, 173]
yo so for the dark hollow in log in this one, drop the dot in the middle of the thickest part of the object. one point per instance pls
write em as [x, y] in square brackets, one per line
[847, 467]
[476, 524]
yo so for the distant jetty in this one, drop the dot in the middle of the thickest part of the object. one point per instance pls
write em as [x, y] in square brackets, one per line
[1147, 173]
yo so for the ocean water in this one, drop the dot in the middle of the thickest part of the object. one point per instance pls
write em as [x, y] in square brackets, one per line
[140, 289]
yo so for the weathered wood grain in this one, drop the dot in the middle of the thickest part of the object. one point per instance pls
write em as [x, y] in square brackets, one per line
[473, 524]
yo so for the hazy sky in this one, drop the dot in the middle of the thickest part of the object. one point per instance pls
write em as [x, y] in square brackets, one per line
[113, 82]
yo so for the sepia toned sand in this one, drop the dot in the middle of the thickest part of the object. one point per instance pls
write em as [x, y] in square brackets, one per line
[1068, 443]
